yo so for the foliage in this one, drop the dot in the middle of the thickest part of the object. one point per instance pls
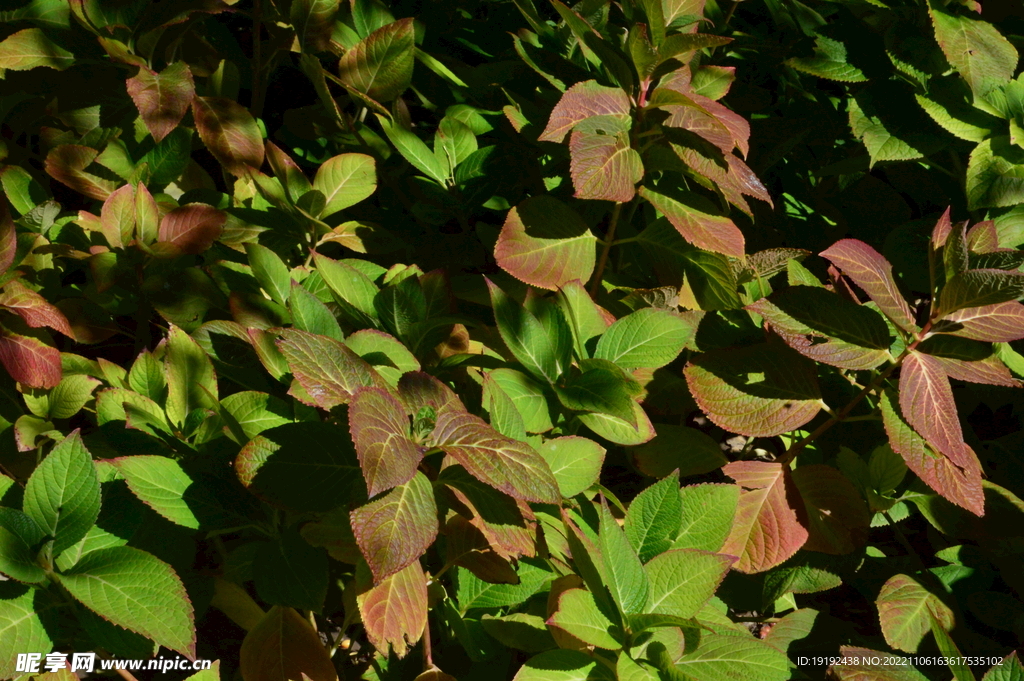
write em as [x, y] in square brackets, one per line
[345, 339]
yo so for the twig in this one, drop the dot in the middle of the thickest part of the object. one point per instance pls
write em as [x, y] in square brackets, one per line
[609, 239]
[125, 674]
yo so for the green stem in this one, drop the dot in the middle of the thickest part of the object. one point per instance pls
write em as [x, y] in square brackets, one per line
[609, 240]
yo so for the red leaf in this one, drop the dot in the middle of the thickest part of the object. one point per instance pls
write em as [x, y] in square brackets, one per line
[579, 103]
[603, 167]
[711, 232]
[8, 237]
[508, 525]
[325, 368]
[999, 323]
[962, 486]
[380, 431]
[395, 611]
[162, 98]
[419, 389]
[984, 238]
[468, 547]
[838, 518]
[508, 465]
[67, 163]
[873, 273]
[394, 530]
[230, 133]
[30, 359]
[33, 308]
[193, 227]
[941, 231]
[926, 400]
[765, 531]
[546, 244]
[989, 371]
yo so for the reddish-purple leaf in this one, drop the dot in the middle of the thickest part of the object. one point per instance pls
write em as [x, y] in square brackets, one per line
[604, 167]
[313, 21]
[1000, 323]
[580, 102]
[8, 237]
[381, 65]
[394, 612]
[709, 119]
[508, 465]
[962, 486]
[380, 430]
[117, 217]
[838, 518]
[765, 530]
[419, 389]
[979, 288]
[162, 98]
[509, 526]
[984, 238]
[873, 273]
[33, 308]
[989, 371]
[711, 232]
[546, 244]
[230, 133]
[282, 645]
[941, 230]
[193, 227]
[394, 530]
[327, 369]
[287, 171]
[468, 547]
[926, 400]
[864, 664]
[905, 611]
[761, 390]
[67, 163]
[30, 359]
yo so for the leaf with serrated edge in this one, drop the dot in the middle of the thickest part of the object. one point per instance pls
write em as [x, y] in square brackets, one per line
[394, 612]
[380, 430]
[647, 338]
[999, 323]
[872, 273]
[623, 572]
[978, 288]
[682, 581]
[653, 518]
[29, 359]
[345, 180]
[857, 666]
[618, 431]
[160, 483]
[527, 338]
[962, 486]
[380, 66]
[708, 512]
[838, 518]
[326, 368]
[546, 244]
[721, 657]
[580, 102]
[33, 308]
[21, 628]
[762, 390]
[63, 493]
[282, 645]
[766, 530]
[513, 467]
[715, 233]
[905, 609]
[792, 627]
[230, 133]
[191, 381]
[193, 227]
[162, 98]
[603, 167]
[687, 450]
[926, 400]
[313, 21]
[579, 616]
[563, 665]
[394, 530]
[1009, 669]
[30, 48]
[508, 525]
[137, 591]
[976, 49]
[575, 462]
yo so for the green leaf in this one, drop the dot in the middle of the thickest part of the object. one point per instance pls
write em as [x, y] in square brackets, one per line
[270, 271]
[709, 275]
[619, 431]
[528, 397]
[976, 49]
[829, 61]
[309, 314]
[541, 349]
[191, 381]
[291, 572]
[63, 494]
[584, 316]
[414, 150]
[394, 530]
[350, 287]
[147, 377]
[683, 580]
[380, 66]
[306, 466]
[579, 616]
[313, 21]
[995, 174]
[906, 609]
[708, 512]
[345, 180]
[65, 400]
[386, 354]
[26, 614]
[761, 390]
[653, 519]
[575, 462]
[473, 592]
[21, 188]
[502, 412]
[721, 657]
[826, 327]
[135, 590]
[20, 537]
[545, 243]
[598, 386]
[884, 140]
[30, 48]
[454, 142]
[687, 450]
[647, 338]
[623, 572]
[563, 665]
